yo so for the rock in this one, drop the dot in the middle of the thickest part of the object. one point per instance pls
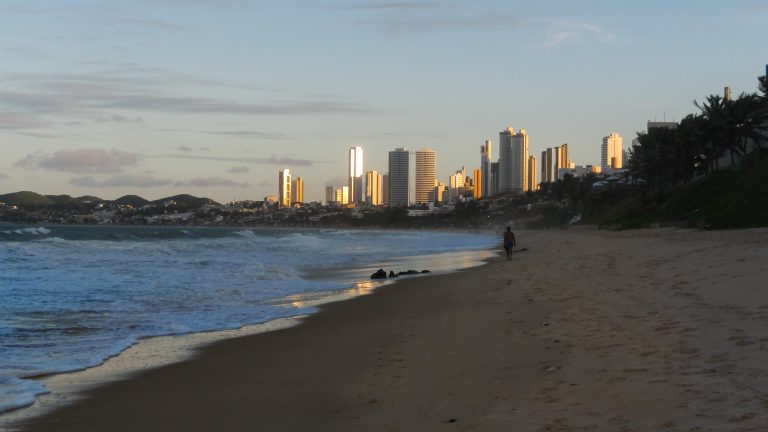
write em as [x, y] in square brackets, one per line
[380, 274]
[425, 271]
[392, 274]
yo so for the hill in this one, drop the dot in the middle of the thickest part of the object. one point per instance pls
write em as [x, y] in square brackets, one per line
[26, 199]
[131, 200]
[186, 200]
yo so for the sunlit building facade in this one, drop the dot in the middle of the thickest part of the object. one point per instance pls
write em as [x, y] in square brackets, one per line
[612, 152]
[532, 184]
[297, 191]
[284, 188]
[356, 192]
[373, 190]
[513, 160]
[425, 176]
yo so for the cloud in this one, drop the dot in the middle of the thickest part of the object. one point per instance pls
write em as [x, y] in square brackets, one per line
[132, 88]
[127, 180]
[266, 183]
[85, 160]
[271, 160]
[240, 169]
[3, 176]
[184, 148]
[397, 5]
[575, 32]
[22, 121]
[199, 182]
[248, 134]
[337, 181]
[116, 118]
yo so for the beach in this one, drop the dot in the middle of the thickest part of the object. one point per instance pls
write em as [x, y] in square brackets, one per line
[583, 331]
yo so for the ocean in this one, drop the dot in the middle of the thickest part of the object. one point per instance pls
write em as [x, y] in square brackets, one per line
[73, 296]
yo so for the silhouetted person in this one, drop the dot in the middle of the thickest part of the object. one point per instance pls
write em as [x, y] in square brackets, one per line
[509, 242]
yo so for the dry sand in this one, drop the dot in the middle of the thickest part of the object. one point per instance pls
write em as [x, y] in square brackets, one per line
[585, 331]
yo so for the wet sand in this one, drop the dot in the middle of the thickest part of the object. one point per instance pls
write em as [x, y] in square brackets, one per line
[584, 331]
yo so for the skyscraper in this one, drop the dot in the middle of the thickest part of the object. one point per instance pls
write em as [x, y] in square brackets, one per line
[425, 176]
[563, 159]
[356, 193]
[477, 192]
[513, 160]
[284, 188]
[297, 191]
[549, 165]
[486, 155]
[611, 153]
[456, 184]
[494, 178]
[531, 173]
[330, 195]
[385, 188]
[373, 188]
[398, 177]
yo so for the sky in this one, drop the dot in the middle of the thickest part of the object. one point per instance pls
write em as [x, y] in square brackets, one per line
[213, 98]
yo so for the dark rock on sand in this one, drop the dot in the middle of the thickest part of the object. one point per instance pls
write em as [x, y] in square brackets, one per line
[392, 274]
[425, 271]
[380, 274]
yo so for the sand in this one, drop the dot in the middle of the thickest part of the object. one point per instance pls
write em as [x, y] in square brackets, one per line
[585, 331]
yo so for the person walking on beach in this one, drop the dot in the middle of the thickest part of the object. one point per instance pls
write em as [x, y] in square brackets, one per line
[509, 242]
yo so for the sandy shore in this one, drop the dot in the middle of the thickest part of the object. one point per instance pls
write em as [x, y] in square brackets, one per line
[585, 331]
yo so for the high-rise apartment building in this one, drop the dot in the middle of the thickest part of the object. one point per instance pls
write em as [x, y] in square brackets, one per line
[563, 159]
[612, 153]
[398, 177]
[373, 188]
[477, 192]
[330, 195]
[284, 188]
[385, 188]
[494, 178]
[425, 176]
[549, 165]
[297, 190]
[356, 192]
[532, 184]
[486, 155]
[513, 161]
[456, 184]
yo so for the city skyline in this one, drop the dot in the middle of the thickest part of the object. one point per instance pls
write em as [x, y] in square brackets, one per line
[113, 99]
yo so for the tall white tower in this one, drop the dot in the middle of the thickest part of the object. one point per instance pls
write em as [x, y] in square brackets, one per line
[612, 152]
[356, 192]
[398, 177]
[486, 155]
[513, 160]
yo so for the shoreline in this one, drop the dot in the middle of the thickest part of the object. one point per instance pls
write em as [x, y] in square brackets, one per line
[586, 330]
[150, 352]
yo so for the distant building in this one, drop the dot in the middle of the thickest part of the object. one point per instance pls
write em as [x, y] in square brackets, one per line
[330, 195]
[398, 177]
[532, 184]
[284, 188]
[342, 195]
[486, 156]
[562, 157]
[549, 166]
[373, 188]
[727, 94]
[494, 178]
[355, 175]
[477, 191]
[611, 153]
[297, 191]
[456, 183]
[425, 176]
[513, 160]
[385, 188]
[440, 192]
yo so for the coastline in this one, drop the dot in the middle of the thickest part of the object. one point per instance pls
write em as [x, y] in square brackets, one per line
[587, 330]
[151, 352]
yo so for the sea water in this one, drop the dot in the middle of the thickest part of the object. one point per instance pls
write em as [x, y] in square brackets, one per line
[73, 296]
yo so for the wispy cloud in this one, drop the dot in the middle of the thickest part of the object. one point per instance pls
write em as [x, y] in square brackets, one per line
[184, 148]
[248, 134]
[37, 100]
[239, 169]
[149, 181]
[565, 32]
[125, 180]
[397, 5]
[86, 160]
[200, 182]
[271, 160]
[3, 176]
